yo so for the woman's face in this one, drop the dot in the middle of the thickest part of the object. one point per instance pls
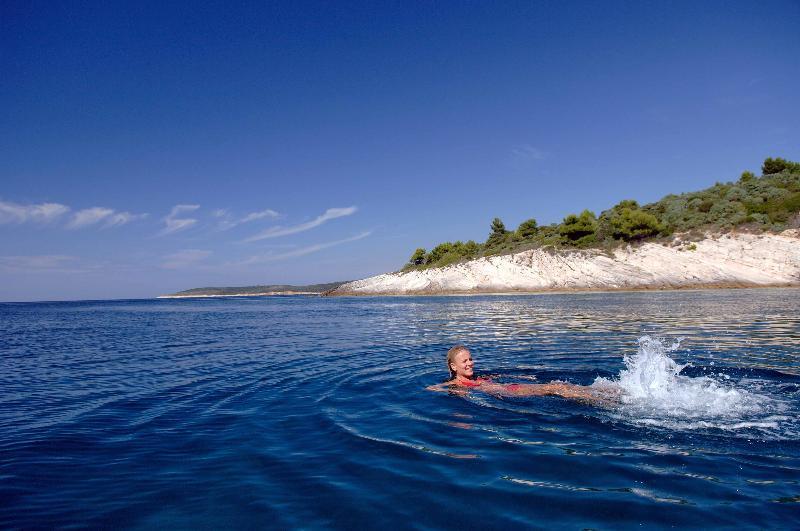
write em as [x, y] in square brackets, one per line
[462, 364]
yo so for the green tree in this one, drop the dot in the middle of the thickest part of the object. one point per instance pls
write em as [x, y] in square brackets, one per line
[498, 234]
[777, 165]
[630, 224]
[438, 252]
[747, 176]
[627, 221]
[574, 227]
[627, 203]
[527, 229]
[498, 227]
[471, 249]
[418, 258]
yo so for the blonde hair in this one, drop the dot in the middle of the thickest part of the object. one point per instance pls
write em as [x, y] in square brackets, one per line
[451, 354]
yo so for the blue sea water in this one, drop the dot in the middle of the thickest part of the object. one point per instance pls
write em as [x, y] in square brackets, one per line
[306, 412]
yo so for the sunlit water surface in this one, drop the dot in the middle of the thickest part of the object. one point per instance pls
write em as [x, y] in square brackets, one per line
[286, 412]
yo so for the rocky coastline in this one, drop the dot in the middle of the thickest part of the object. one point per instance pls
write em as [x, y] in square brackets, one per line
[729, 260]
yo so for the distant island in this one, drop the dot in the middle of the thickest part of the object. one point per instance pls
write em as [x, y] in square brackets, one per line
[735, 234]
[254, 291]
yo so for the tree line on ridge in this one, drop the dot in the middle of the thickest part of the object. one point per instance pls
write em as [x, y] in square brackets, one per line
[769, 202]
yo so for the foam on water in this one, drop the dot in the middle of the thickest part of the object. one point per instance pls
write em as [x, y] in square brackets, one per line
[653, 392]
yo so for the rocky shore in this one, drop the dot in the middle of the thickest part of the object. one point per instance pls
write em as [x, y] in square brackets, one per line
[717, 260]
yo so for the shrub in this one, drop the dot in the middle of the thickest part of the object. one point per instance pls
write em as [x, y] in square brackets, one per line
[418, 258]
[705, 205]
[759, 218]
[792, 203]
[471, 249]
[736, 193]
[438, 252]
[779, 211]
[527, 229]
[626, 221]
[449, 258]
[634, 225]
[775, 165]
[574, 227]
[778, 165]
[728, 213]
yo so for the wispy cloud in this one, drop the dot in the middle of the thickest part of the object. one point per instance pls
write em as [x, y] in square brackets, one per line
[275, 232]
[259, 259]
[252, 216]
[185, 258]
[227, 221]
[121, 218]
[109, 217]
[174, 224]
[527, 152]
[89, 216]
[49, 263]
[41, 213]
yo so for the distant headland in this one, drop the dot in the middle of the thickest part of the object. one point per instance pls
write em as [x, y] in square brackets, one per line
[736, 234]
[254, 291]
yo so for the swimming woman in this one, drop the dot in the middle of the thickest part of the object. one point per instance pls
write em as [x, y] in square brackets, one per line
[460, 365]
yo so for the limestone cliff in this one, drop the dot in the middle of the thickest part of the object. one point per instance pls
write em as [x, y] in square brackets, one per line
[723, 260]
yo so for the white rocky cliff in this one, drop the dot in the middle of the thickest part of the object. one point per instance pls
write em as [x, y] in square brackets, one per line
[735, 259]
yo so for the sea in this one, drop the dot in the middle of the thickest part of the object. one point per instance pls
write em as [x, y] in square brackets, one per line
[305, 412]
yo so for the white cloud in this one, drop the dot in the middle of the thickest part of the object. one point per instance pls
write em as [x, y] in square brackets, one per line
[301, 251]
[121, 218]
[174, 224]
[48, 212]
[110, 217]
[252, 216]
[89, 216]
[185, 258]
[41, 213]
[331, 213]
[228, 222]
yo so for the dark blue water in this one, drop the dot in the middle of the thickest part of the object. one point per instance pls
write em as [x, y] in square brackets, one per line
[308, 412]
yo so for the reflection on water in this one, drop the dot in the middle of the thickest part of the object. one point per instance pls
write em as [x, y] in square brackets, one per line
[280, 412]
[715, 324]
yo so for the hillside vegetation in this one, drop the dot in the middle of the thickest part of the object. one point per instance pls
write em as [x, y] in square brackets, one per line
[766, 203]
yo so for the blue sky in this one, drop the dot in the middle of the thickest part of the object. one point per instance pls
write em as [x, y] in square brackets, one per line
[146, 149]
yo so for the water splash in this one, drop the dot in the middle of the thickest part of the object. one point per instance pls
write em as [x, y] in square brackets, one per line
[653, 392]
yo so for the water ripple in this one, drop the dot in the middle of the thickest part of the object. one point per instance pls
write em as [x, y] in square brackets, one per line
[302, 412]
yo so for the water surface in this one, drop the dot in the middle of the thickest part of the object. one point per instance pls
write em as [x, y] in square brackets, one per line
[283, 412]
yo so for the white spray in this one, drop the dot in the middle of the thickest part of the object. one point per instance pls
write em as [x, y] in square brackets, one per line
[652, 391]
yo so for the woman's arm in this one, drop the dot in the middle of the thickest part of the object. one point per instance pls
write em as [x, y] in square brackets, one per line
[442, 387]
[565, 390]
[448, 387]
